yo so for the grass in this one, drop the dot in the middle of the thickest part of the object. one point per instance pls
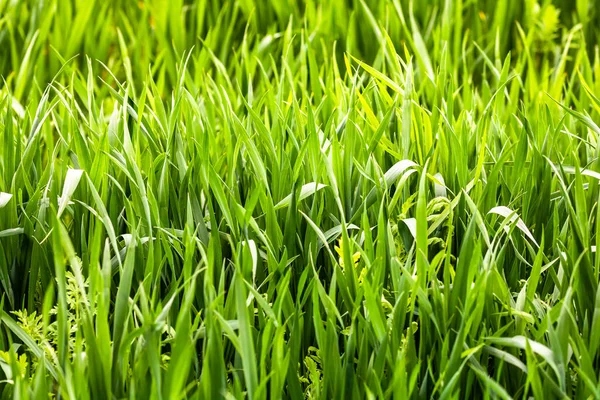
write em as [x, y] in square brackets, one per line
[324, 199]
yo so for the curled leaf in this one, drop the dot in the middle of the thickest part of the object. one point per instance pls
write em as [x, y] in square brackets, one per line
[307, 190]
[514, 217]
[4, 198]
[71, 182]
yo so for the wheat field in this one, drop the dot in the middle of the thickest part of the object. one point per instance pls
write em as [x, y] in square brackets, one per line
[264, 199]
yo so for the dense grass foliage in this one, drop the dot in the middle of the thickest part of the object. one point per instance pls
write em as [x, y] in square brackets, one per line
[326, 199]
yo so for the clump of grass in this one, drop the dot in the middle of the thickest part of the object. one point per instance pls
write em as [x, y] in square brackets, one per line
[299, 199]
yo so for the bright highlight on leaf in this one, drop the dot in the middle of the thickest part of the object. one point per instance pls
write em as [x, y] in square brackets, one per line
[4, 198]
[71, 182]
[512, 217]
[307, 190]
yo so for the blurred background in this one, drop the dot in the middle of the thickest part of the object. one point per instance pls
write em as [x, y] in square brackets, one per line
[37, 37]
